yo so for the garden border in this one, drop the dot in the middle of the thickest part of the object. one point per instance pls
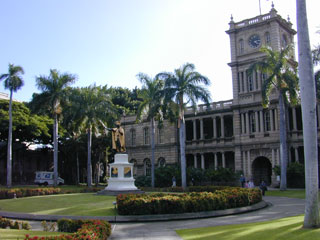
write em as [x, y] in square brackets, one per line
[140, 218]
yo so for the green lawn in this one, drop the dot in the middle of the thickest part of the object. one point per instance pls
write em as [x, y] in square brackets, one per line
[285, 228]
[80, 204]
[20, 234]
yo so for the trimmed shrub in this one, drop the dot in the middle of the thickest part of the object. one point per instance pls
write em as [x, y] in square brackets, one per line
[295, 175]
[160, 203]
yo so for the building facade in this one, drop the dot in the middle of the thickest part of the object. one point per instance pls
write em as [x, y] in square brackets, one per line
[239, 133]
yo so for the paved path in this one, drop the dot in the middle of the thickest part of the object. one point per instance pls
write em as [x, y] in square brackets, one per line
[280, 207]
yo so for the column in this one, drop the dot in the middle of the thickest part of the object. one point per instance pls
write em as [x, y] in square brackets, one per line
[294, 119]
[289, 155]
[273, 158]
[296, 154]
[240, 82]
[215, 161]
[223, 160]
[247, 123]
[243, 126]
[201, 128]
[271, 120]
[249, 163]
[195, 162]
[261, 121]
[214, 127]
[245, 81]
[202, 160]
[276, 119]
[222, 126]
[194, 129]
[278, 156]
[259, 80]
[257, 120]
[244, 160]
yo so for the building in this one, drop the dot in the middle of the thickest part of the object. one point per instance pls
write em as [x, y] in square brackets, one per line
[238, 133]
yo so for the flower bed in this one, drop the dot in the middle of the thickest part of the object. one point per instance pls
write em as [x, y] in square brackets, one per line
[83, 230]
[28, 192]
[160, 203]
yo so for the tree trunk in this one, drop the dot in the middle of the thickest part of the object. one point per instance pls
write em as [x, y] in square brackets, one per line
[283, 144]
[78, 174]
[308, 105]
[9, 152]
[89, 167]
[152, 152]
[55, 150]
[182, 153]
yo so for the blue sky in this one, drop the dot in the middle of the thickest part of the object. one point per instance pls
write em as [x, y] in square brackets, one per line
[110, 41]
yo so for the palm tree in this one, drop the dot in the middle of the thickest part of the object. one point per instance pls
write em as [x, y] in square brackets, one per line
[184, 87]
[13, 82]
[152, 95]
[308, 105]
[281, 75]
[92, 109]
[52, 98]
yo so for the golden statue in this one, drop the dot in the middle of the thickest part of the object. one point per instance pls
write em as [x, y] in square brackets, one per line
[118, 139]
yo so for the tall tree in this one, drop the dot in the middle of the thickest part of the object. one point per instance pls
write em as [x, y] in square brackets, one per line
[280, 69]
[152, 94]
[93, 110]
[308, 105]
[184, 87]
[12, 81]
[52, 98]
[281, 72]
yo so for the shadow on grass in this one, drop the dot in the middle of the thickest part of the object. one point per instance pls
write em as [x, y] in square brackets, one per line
[282, 229]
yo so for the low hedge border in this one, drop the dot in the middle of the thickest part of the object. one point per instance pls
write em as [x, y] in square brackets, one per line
[29, 192]
[82, 230]
[215, 198]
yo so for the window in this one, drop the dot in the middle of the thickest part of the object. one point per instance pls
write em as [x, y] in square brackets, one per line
[242, 81]
[241, 46]
[133, 137]
[161, 162]
[252, 121]
[147, 167]
[249, 81]
[257, 79]
[266, 114]
[267, 38]
[146, 138]
[284, 42]
[160, 135]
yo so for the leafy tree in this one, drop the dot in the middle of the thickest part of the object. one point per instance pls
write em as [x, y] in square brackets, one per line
[12, 81]
[152, 94]
[281, 75]
[184, 87]
[309, 120]
[52, 98]
[92, 109]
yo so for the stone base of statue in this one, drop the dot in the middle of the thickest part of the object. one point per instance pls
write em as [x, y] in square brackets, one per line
[121, 177]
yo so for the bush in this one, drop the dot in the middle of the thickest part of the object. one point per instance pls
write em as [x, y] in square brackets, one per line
[295, 175]
[143, 181]
[88, 229]
[159, 203]
[5, 223]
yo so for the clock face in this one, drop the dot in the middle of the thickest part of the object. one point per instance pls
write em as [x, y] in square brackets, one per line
[254, 41]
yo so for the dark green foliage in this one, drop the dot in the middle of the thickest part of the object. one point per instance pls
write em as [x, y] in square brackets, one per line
[163, 176]
[26, 126]
[295, 175]
[143, 181]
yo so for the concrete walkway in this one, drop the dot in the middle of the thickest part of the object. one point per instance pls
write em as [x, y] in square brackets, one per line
[280, 207]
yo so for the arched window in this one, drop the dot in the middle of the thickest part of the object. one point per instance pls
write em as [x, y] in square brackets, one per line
[267, 38]
[147, 167]
[133, 137]
[241, 46]
[146, 137]
[161, 162]
[284, 41]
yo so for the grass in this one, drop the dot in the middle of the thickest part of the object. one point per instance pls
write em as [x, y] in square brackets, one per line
[282, 229]
[80, 204]
[20, 234]
[288, 193]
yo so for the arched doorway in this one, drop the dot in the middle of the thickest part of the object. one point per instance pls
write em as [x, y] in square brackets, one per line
[261, 170]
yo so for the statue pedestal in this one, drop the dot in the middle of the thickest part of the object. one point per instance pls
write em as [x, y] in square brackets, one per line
[121, 177]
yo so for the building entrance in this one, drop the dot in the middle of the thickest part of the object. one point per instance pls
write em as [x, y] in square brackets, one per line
[262, 170]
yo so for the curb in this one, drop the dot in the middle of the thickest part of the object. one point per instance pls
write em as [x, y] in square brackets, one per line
[140, 218]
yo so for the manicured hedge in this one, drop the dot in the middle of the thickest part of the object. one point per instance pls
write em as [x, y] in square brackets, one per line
[160, 203]
[82, 230]
[28, 192]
